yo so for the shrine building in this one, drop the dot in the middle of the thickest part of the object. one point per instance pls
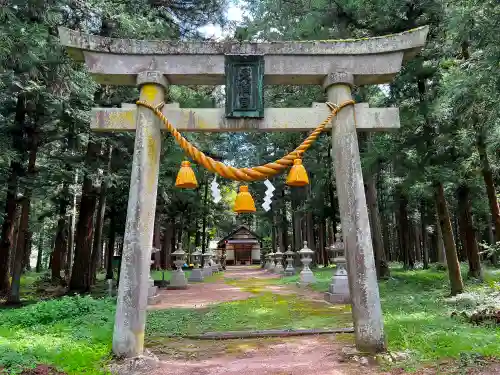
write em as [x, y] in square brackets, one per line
[242, 247]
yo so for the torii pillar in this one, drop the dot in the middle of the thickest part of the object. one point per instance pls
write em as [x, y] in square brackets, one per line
[337, 65]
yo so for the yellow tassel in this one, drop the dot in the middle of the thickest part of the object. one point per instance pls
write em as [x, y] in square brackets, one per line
[297, 175]
[186, 178]
[244, 203]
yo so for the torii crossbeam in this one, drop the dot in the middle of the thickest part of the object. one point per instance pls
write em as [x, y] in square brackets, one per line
[153, 65]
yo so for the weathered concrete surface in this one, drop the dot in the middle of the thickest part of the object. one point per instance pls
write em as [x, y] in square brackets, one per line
[118, 61]
[366, 309]
[128, 334]
[275, 119]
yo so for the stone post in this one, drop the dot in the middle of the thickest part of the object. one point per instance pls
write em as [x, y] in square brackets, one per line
[279, 265]
[130, 319]
[366, 309]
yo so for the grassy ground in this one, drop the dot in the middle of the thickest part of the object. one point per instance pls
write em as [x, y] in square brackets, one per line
[74, 333]
[417, 313]
[265, 311]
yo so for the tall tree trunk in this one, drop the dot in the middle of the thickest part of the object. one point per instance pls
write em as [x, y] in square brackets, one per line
[440, 246]
[490, 188]
[14, 239]
[99, 222]
[27, 252]
[383, 271]
[284, 223]
[168, 235]
[425, 236]
[110, 250]
[22, 235]
[8, 227]
[296, 220]
[322, 241]
[40, 249]
[80, 275]
[71, 236]
[418, 242]
[456, 283]
[467, 230]
[157, 242]
[61, 243]
[404, 233]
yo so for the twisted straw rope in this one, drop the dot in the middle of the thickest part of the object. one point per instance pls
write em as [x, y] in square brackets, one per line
[260, 172]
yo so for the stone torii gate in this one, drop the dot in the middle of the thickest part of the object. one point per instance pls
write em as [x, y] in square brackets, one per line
[154, 65]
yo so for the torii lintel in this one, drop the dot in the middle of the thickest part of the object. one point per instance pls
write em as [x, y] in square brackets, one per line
[118, 61]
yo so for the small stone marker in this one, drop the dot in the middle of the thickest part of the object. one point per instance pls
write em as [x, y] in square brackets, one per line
[306, 275]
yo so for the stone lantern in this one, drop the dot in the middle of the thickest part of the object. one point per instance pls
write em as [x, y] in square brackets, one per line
[271, 262]
[196, 273]
[338, 291]
[267, 260]
[306, 275]
[290, 269]
[278, 268]
[207, 268]
[178, 280]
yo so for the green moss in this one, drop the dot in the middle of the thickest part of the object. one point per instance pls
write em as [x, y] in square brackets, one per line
[266, 311]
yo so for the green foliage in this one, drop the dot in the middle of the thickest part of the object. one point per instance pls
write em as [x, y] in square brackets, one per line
[72, 333]
[418, 315]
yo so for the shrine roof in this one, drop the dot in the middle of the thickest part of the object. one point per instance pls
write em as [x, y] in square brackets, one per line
[410, 42]
[236, 231]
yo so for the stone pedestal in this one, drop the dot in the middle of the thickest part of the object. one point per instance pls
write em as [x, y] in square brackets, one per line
[178, 280]
[196, 274]
[306, 275]
[290, 269]
[278, 268]
[338, 290]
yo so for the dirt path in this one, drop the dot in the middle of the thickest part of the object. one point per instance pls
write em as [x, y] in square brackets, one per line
[318, 355]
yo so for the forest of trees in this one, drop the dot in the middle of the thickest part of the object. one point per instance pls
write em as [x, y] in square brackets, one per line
[431, 186]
